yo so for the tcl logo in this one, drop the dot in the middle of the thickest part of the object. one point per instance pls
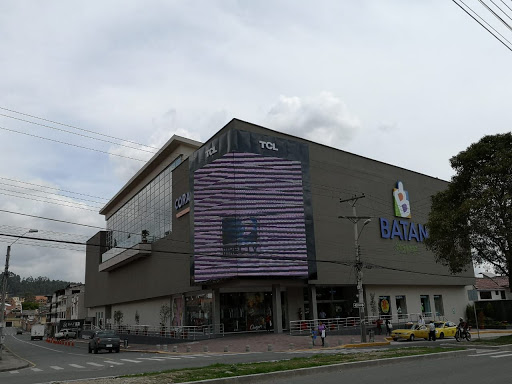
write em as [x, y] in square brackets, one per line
[211, 151]
[268, 145]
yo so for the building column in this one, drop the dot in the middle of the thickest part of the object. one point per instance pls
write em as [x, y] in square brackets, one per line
[313, 310]
[216, 310]
[277, 313]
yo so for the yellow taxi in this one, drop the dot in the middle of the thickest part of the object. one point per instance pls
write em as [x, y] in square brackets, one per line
[445, 329]
[412, 331]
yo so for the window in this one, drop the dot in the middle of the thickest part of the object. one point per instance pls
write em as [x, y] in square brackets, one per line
[503, 295]
[485, 295]
[425, 305]
[438, 304]
[401, 306]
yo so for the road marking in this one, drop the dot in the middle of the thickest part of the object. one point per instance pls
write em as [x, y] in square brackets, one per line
[55, 367]
[151, 358]
[131, 361]
[96, 364]
[508, 354]
[172, 358]
[486, 353]
[36, 369]
[188, 357]
[76, 366]
[113, 362]
[14, 372]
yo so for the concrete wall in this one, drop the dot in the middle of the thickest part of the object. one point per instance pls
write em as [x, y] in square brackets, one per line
[455, 299]
[148, 310]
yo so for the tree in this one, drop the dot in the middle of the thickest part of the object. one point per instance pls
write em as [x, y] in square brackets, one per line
[165, 313]
[471, 221]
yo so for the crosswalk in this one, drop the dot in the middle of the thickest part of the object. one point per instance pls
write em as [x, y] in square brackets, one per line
[493, 354]
[110, 363]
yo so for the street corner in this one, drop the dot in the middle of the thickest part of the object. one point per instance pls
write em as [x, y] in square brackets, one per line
[10, 362]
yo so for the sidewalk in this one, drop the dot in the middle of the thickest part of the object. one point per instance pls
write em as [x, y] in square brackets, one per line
[10, 362]
[258, 342]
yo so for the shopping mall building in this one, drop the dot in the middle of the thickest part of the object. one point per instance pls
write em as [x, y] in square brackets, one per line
[255, 222]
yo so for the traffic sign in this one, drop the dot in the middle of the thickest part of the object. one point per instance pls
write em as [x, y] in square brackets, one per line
[358, 305]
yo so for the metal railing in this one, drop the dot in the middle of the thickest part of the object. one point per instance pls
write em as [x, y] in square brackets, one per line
[305, 327]
[191, 332]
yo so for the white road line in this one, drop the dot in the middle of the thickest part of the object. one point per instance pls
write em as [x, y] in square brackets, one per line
[113, 362]
[487, 353]
[172, 358]
[151, 358]
[76, 366]
[96, 364]
[36, 369]
[188, 357]
[131, 361]
[507, 355]
[55, 367]
[14, 372]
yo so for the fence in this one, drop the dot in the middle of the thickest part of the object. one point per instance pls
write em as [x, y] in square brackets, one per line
[181, 332]
[305, 327]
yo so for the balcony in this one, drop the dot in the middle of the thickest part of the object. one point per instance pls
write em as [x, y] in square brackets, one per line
[117, 257]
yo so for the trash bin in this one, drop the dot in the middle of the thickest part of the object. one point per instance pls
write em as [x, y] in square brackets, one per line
[125, 343]
[371, 335]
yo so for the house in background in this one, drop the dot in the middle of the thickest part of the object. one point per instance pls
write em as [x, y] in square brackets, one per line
[491, 287]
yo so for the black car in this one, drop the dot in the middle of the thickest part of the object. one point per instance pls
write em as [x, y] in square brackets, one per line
[19, 331]
[108, 340]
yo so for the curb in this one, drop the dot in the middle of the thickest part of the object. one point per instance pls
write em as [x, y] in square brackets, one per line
[15, 362]
[267, 377]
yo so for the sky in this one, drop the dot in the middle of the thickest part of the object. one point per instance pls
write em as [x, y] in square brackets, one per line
[409, 83]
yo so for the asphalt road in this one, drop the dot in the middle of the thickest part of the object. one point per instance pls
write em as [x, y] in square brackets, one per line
[51, 362]
[481, 366]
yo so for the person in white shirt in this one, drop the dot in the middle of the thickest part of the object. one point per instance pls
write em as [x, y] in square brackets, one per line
[432, 331]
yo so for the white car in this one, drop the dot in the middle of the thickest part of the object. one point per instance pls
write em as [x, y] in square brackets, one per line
[65, 334]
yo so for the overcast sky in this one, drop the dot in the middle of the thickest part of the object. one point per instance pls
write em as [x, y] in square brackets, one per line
[410, 83]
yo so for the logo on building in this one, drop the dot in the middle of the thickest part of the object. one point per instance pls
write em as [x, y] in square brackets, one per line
[401, 201]
[268, 145]
[182, 201]
[210, 152]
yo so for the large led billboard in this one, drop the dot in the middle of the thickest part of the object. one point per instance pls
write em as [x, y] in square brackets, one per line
[250, 217]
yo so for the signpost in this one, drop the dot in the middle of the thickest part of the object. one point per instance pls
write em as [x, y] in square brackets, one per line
[473, 296]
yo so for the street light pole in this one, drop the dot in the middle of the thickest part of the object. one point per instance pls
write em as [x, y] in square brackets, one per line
[358, 264]
[4, 291]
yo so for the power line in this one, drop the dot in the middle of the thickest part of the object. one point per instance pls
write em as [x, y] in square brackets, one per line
[78, 134]
[75, 127]
[57, 189]
[72, 145]
[487, 29]
[49, 198]
[49, 202]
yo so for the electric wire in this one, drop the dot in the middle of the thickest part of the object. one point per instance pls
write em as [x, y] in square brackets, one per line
[70, 144]
[78, 134]
[75, 127]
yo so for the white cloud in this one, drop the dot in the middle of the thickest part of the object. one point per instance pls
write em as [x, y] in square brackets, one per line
[324, 119]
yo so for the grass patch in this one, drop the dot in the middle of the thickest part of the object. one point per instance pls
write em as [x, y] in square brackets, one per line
[216, 371]
[502, 340]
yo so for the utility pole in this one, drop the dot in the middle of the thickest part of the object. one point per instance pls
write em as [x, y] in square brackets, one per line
[2, 301]
[358, 264]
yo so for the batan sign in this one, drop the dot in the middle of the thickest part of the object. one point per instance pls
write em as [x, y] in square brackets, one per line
[402, 229]
[182, 200]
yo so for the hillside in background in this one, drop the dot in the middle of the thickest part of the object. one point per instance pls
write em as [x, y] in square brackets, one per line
[16, 286]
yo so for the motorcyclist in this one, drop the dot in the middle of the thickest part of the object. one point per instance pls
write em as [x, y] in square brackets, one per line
[462, 325]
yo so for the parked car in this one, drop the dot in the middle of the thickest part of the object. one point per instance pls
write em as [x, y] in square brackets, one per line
[37, 332]
[445, 329]
[65, 334]
[412, 331]
[105, 339]
[19, 331]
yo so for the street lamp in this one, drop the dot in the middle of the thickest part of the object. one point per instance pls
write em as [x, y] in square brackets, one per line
[4, 291]
[359, 268]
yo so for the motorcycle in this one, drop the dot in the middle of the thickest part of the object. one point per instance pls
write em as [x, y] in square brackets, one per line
[462, 333]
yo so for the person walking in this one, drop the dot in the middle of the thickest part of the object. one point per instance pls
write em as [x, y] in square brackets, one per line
[389, 327]
[268, 322]
[321, 331]
[432, 331]
[421, 321]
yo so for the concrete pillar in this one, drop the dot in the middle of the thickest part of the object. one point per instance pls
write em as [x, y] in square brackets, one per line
[216, 310]
[277, 313]
[313, 310]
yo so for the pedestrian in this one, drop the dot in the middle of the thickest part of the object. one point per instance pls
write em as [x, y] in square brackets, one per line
[378, 327]
[321, 331]
[322, 315]
[389, 327]
[432, 331]
[268, 322]
[421, 321]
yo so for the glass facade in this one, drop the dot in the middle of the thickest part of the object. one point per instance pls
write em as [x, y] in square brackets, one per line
[150, 210]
